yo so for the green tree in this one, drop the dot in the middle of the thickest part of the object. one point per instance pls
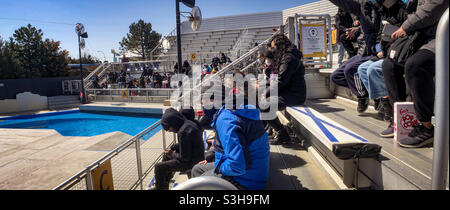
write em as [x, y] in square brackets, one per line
[27, 55]
[9, 66]
[85, 59]
[55, 60]
[29, 50]
[141, 39]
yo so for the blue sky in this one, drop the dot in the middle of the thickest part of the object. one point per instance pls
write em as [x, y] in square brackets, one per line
[107, 21]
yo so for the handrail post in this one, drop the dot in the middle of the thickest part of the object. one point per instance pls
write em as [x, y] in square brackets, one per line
[330, 45]
[164, 139]
[138, 161]
[440, 155]
[89, 181]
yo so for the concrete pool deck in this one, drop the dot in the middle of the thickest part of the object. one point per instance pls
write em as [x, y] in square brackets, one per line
[149, 108]
[42, 159]
[34, 159]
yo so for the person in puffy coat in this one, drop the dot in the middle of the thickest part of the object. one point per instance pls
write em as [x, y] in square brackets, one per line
[241, 148]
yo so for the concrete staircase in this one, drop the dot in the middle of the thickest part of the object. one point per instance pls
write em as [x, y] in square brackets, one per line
[63, 102]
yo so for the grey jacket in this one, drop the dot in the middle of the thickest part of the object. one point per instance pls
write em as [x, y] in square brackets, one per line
[426, 19]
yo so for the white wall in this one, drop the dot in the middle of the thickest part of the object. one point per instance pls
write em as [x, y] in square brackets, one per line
[318, 7]
[24, 102]
[236, 22]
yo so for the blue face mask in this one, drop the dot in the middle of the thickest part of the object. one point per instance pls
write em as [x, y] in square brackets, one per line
[373, 1]
[405, 2]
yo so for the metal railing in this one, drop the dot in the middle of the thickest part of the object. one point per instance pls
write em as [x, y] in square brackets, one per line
[123, 177]
[238, 46]
[100, 72]
[130, 94]
[239, 64]
[136, 67]
[95, 72]
[126, 176]
[201, 57]
[441, 140]
[172, 34]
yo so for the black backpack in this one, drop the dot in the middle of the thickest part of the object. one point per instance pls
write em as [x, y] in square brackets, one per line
[403, 48]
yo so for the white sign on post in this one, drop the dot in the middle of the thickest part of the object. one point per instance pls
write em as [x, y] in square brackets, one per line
[313, 42]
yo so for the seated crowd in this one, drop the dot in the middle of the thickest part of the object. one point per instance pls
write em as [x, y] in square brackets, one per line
[240, 151]
[389, 61]
[124, 80]
[380, 69]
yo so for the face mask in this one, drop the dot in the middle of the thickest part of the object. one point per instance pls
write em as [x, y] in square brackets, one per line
[258, 61]
[373, 1]
[405, 2]
[268, 63]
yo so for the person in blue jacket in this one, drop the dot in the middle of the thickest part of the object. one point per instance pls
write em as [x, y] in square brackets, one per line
[241, 146]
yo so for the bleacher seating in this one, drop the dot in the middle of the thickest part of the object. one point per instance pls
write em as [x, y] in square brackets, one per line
[206, 44]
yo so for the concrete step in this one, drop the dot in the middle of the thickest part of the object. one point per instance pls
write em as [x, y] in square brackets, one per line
[63, 102]
[63, 97]
[396, 167]
[64, 106]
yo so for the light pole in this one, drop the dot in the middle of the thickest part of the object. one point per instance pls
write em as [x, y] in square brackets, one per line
[189, 3]
[81, 34]
[178, 36]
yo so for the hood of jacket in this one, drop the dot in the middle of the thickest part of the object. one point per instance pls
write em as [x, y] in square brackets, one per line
[248, 111]
[292, 53]
[172, 119]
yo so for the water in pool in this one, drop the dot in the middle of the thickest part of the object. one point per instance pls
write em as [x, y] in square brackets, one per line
[76, 123]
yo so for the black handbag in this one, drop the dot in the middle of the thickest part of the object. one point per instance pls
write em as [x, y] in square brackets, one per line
[356, 151]
[403, 48]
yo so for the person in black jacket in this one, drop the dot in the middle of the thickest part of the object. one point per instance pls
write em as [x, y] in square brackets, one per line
[346, 75]
[182, 156]
[418, 70]
[393, 12]
[215, 61]
[291, 86]
[344, 22]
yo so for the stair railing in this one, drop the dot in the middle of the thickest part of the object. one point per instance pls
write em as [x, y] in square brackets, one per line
[440, 155]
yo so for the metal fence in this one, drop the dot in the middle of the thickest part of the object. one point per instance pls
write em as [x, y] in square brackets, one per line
[131, 162]
[130, 95]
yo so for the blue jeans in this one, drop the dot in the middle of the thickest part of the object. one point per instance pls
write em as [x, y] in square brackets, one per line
[341, 53]
[371, 74]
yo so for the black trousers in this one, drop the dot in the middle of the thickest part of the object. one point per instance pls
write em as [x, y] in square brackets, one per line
[395, 83]
[419, 73]
[348, 45]
[165, 170]
[276, 123]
